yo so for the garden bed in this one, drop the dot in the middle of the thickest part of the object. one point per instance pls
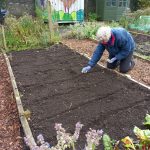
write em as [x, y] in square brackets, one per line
[54, 90]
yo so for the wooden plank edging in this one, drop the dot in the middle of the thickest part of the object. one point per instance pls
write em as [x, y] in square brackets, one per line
[22, 118]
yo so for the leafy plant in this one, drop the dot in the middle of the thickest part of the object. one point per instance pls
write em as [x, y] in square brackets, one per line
[66, 140]
[92, 17]
[107, 142]
[143, 137]
[147, 120]
[128, 143]
[93, 137]
[124, 22]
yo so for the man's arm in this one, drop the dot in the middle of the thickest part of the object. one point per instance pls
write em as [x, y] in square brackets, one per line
[96, 55]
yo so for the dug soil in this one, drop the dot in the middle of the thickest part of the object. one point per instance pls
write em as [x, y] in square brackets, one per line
[53, 88]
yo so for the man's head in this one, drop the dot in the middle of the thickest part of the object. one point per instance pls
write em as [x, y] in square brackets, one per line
[103, 34]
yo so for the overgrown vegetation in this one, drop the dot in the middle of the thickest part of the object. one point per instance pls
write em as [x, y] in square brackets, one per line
[139, 4]
[86, 30]
[26, 32]
[143, 4]
[92, 17]
[134, 18]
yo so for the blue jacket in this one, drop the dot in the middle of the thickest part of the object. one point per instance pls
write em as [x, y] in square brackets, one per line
[122, 46]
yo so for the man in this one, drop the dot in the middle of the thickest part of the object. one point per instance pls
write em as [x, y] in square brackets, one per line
[120, 45]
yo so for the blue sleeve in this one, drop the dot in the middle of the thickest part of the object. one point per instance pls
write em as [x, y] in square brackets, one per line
[96, 55]
[125, 49]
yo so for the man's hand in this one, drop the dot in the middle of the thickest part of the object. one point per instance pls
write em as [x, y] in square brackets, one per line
[86, 69]
[111, 60]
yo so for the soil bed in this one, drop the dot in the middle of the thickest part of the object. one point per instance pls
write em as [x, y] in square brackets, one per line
[54, 90]
[142, 43]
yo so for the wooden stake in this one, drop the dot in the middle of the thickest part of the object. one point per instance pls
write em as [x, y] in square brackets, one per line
[50, 20]
[4, 39]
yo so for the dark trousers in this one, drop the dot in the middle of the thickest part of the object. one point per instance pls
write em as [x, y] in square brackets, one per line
[125, 64]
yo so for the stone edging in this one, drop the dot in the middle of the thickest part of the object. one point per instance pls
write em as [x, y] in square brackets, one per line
[24, 122]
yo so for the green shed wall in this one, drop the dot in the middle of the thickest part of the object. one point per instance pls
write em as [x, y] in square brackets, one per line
[108, 13]
[113, 13]
[100, 9]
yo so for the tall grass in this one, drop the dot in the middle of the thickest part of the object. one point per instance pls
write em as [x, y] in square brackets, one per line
[26, 32]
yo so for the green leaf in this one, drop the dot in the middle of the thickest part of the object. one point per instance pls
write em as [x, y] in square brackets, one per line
[147, 120]
[107, 142]
[143, 135]
[128, 143]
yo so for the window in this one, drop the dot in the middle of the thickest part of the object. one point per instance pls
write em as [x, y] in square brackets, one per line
[123, 3]
[110, 2]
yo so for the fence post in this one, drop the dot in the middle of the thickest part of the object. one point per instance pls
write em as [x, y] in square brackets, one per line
[50, 23]
[4, 38]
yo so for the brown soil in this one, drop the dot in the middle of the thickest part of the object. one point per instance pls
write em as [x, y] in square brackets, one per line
[54, 90]
[142, 43]
[9, 122]
[141, 71]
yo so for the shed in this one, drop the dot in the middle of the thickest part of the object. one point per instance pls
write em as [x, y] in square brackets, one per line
[63, 11]
[111, 9]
